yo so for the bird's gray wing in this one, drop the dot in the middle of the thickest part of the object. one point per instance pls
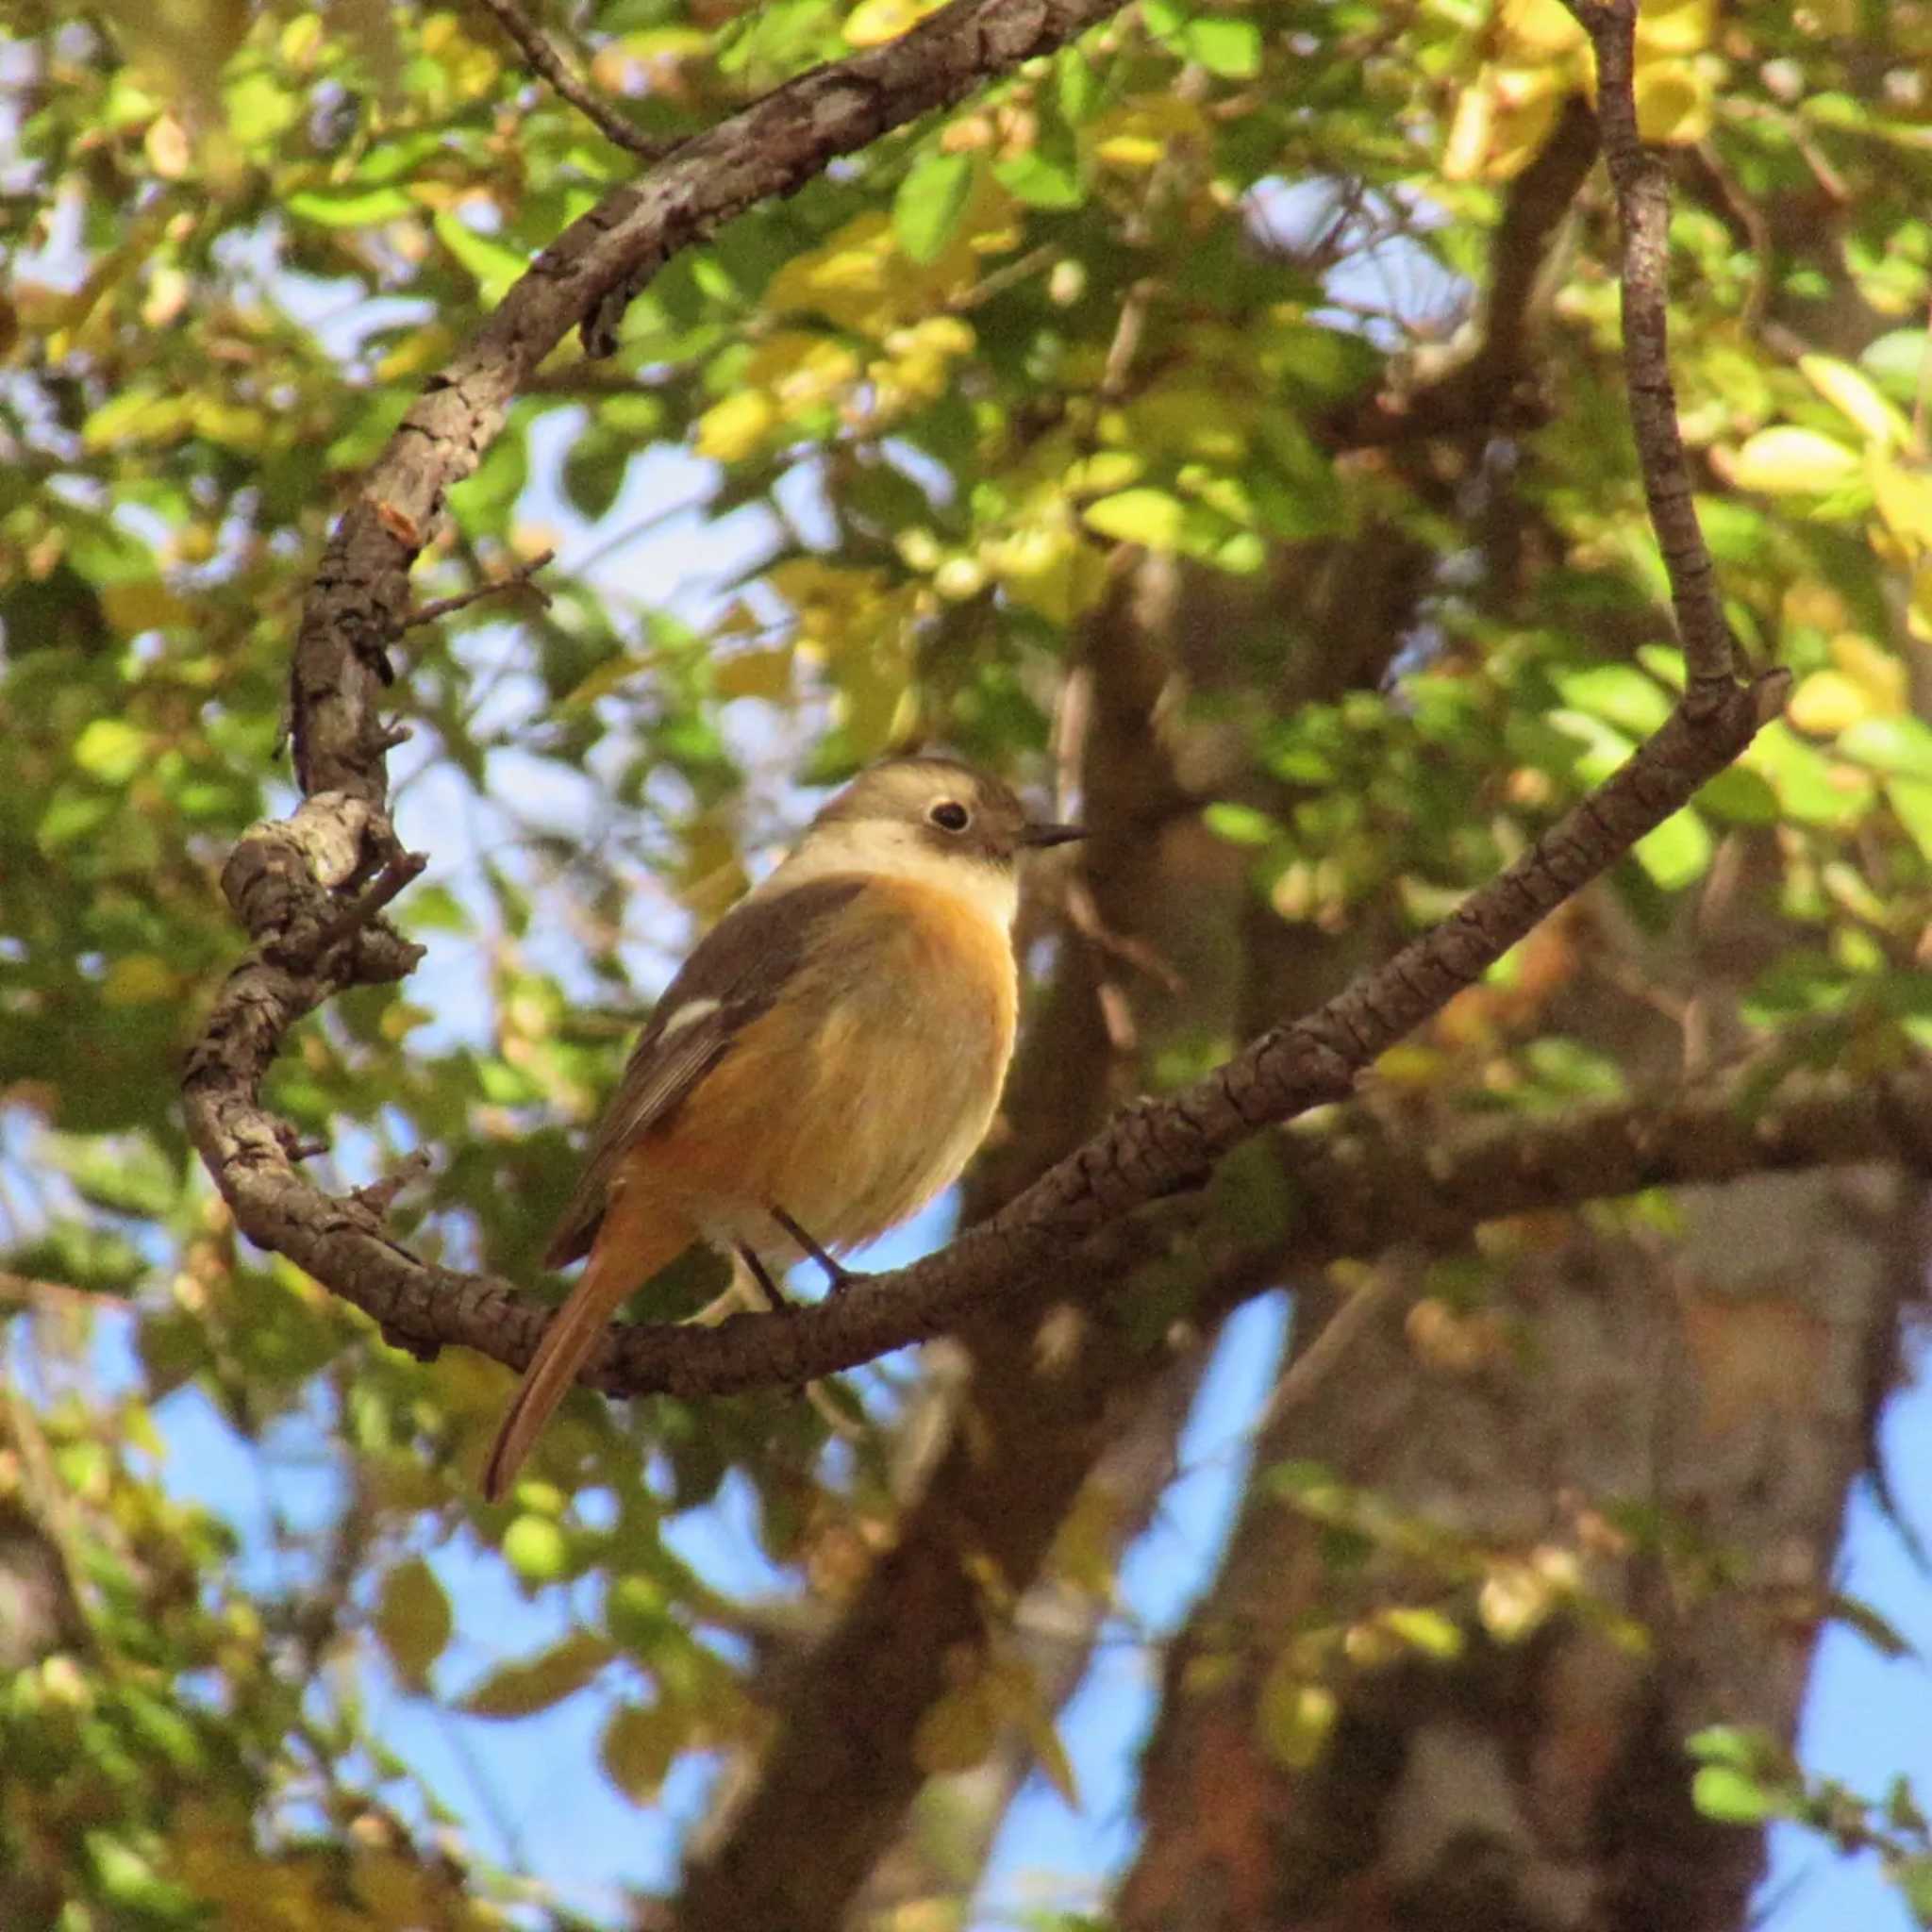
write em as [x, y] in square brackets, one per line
[737, 971]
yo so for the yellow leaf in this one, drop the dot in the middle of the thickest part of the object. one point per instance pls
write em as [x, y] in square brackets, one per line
[1294, 1715]
[412, 1620]
[1826, 703]
[874, 22]
[1919, 611]
[1852, 394]
[523, 1689]
[1426, 1630]
[859, 279]
[236, 424]
[1046, 566]
[755, 675]
[1525, 102]
[1674, 105]
[637, 1748]
[1904, 497]
[799, 368]
[1541, 27]
[146, 604]
[1139, 134]
[1514, 1599]
[1786, 460]
[960, 1730]
[179, 47]
[141, 979]
[1876, 671]
[167, 148]
[1467, 146]
[1676, 26]
[731, 430]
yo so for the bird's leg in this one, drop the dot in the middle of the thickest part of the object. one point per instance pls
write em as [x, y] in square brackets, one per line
[773, 1294]
[838, 1276]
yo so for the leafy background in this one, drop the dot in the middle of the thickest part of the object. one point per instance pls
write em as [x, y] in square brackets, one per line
[854, 479]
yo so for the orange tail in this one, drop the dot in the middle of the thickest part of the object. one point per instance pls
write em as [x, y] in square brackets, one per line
[629, 1250]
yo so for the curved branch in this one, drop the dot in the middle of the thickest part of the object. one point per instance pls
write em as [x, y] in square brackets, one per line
[1154, 1148]
[1643, 210]
[603, 258]
[547, 62]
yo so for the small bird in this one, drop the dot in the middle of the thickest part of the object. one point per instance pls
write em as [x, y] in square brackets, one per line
[823, 1065]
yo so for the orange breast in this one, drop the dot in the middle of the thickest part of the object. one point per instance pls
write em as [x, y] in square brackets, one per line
[864, 1089]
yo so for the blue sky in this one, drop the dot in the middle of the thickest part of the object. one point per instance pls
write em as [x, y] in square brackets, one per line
[530, 1793]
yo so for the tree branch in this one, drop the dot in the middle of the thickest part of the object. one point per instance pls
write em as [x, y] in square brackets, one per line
[547, 62]
[357, 605]
[1643, 208]
[1148, 1151]
[1492, 385]
[1152, 1149]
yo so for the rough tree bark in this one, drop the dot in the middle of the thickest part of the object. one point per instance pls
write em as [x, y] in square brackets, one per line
[1677, 1419]
[312, 891]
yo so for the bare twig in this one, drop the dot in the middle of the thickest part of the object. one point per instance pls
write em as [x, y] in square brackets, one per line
[1148, 1151]
[400, 869]
[1644, 207]
[1313, 1366]
[517, 580]
[379, 1196]
[545, 62]
[31, 1291]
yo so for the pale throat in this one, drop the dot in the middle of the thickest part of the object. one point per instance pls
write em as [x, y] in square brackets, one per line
[900, 852]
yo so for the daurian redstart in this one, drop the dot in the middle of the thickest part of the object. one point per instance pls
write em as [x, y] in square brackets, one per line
[824, 1062]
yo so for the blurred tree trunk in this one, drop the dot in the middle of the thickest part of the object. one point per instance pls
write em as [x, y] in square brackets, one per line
[1678, 1418]
[1610, 1451]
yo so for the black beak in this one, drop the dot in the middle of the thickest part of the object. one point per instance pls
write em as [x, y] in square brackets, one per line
[1037, 833]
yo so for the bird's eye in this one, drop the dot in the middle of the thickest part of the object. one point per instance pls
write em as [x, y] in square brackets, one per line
[949, 815]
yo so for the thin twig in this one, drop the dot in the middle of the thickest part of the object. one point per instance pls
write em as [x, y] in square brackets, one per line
[32, 1292]
[1323, 1354]
[380, 1196]
[518, 579]
[397, 872]
[1643, 207]
[548, 63]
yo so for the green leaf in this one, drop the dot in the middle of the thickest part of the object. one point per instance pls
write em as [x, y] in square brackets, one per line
[1741, 1748]
[1911, 800]
[1740, 798]
[1040, 179]
[1898, 362]
[537, 1549]
[494, 264]
[1047, 175]
[1913, 1877]
[637, 1749]
[1619, 692]
[111, 749]
[1731, 1796]
[930, 201]
[1677, 853]
[1896, 746]
[1428, 1631]
[534, 1684]
[350, 208]
[1787, 460]
[1225, 45]
[593, 474]
[1142, 515]
[1856, 1614]
[1241, 825]
[413, 1621]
